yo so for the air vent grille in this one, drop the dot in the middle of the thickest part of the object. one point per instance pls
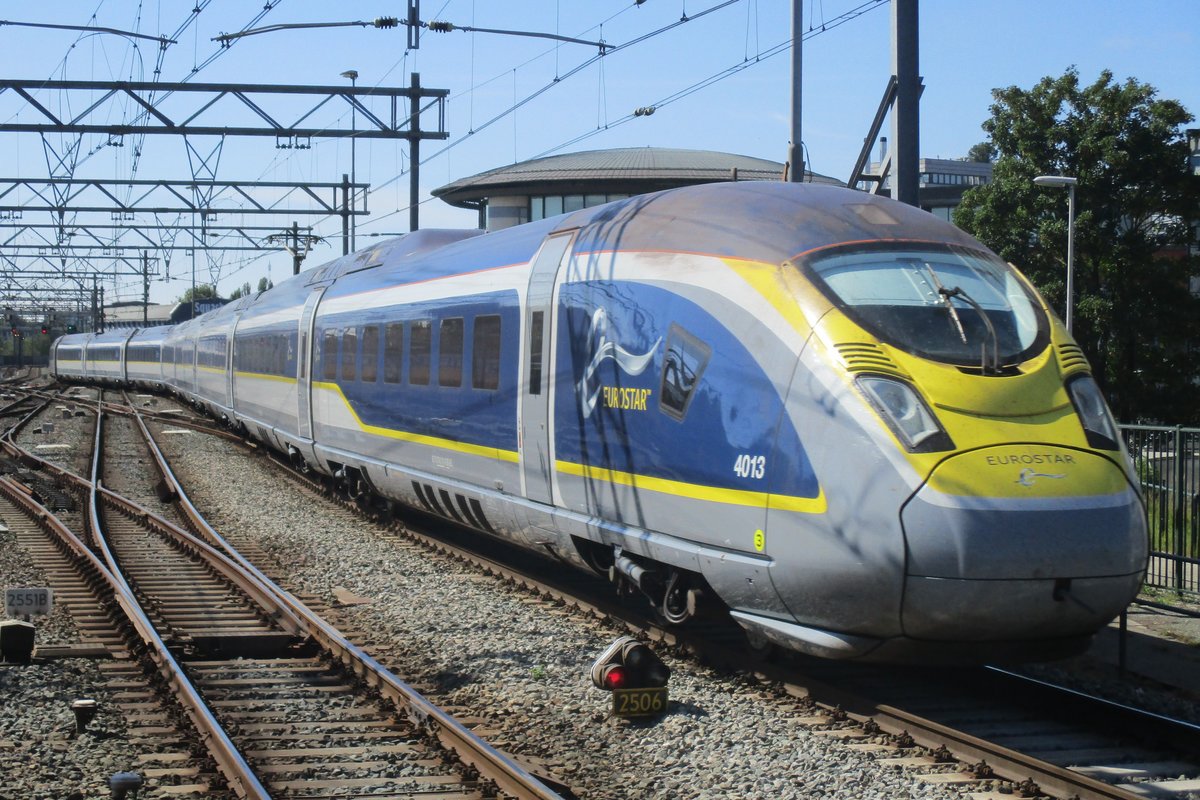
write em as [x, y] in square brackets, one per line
[867, 357]
[1071, 359]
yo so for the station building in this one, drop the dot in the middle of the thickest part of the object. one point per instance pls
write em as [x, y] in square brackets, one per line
[546, 187]
[943, 182]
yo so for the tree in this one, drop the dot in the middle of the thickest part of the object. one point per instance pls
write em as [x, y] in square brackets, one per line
[241, 291]
[984, 153]
[202, 291]
[264, 284]
[1134, 314]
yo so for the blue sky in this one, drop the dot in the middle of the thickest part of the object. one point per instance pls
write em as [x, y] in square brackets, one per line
[968, 47]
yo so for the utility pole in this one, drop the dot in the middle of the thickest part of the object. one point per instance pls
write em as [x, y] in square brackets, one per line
[906, 119]
[145, 288]
[352, 74]
[295, 243]
[414, 152]
[345, 213]
[795, 156]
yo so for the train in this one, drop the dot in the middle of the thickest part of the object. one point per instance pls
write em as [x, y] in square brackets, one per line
[834, 417]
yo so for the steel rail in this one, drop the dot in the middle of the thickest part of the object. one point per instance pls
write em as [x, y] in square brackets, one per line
[1022, 769]
[508, 775]
[1011, 765]
[238, 773]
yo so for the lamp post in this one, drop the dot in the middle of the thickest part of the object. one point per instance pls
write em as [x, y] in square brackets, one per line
[352, 74]
[1070, 183]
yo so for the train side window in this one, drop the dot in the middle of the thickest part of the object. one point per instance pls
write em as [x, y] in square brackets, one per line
[329, 348]
[393, 352]
[683, 364]
[485, 353]
[420, 341]
[370, 354]
[535, 353]
[349, 352]
[450, 352]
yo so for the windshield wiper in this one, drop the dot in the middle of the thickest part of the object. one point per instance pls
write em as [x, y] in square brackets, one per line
[946, 295]
[958, 291]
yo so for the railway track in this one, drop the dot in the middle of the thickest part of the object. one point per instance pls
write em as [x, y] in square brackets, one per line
[295, 711]
[1042, 740]
[912, 721]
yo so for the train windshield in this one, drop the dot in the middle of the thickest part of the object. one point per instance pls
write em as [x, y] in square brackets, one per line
[951, 305]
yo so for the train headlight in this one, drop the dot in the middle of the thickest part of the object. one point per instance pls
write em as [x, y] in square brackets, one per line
[905, 413]
[1093, 413]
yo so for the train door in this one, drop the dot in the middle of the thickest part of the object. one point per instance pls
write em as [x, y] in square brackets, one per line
[230, 338]
[123, 362]
[303, 361]
[537, 455]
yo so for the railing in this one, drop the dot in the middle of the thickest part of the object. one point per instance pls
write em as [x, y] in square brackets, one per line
[1168, 465]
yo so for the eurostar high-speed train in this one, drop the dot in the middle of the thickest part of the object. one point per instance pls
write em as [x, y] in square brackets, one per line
[849, 421]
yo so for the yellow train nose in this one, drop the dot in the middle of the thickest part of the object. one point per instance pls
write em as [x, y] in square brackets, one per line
[1021, 540]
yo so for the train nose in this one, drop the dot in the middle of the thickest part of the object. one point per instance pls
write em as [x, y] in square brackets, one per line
[1021, 542]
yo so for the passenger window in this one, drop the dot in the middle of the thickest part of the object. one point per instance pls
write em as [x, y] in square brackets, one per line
[419, 346]
[535, 353]
[329, 348]
[450, 352]
[485, 353]
[684, 363]
[349, 352]
[370, 354]
[393, 352]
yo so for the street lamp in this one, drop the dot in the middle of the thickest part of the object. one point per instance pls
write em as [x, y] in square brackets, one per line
[1070, 183]
[352, 74]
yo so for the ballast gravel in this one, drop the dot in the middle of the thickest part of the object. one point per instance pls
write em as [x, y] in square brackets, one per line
[484, 650]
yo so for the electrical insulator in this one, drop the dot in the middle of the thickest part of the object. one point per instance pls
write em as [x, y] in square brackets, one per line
[386, 22]
[440, 26]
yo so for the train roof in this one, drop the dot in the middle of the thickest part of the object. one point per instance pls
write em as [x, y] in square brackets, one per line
[152, 335]
[769, 221]
[115, 336]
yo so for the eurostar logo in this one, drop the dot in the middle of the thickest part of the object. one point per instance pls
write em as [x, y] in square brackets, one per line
[603, 349]
[1027, 476]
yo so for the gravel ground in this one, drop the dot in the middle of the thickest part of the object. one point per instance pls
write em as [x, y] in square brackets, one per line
[41, 756]
[492, 651]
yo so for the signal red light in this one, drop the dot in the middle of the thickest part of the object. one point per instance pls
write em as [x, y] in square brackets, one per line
[614, 677]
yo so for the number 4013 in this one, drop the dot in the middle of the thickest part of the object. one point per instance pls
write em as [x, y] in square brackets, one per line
[748, 466]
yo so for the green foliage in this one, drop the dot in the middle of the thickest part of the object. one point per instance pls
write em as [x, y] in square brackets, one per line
[263, 284]
[203, 291]
[241, 291]
[1134, 315]
[984, 153]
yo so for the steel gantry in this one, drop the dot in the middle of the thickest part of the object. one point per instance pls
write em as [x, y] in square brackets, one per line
[292, 115]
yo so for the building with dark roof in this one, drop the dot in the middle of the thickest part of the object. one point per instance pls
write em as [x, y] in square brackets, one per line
[546, 187]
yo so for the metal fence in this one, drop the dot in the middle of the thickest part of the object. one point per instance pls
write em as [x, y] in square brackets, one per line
[1168, 465]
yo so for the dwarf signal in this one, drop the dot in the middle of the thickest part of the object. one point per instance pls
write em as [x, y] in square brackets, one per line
[636, 677]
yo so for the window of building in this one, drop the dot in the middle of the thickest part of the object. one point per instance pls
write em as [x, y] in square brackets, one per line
[485, 353]
[551, 205]
[393, 351]
[450, 352]
[370, 354]
[420, 342]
